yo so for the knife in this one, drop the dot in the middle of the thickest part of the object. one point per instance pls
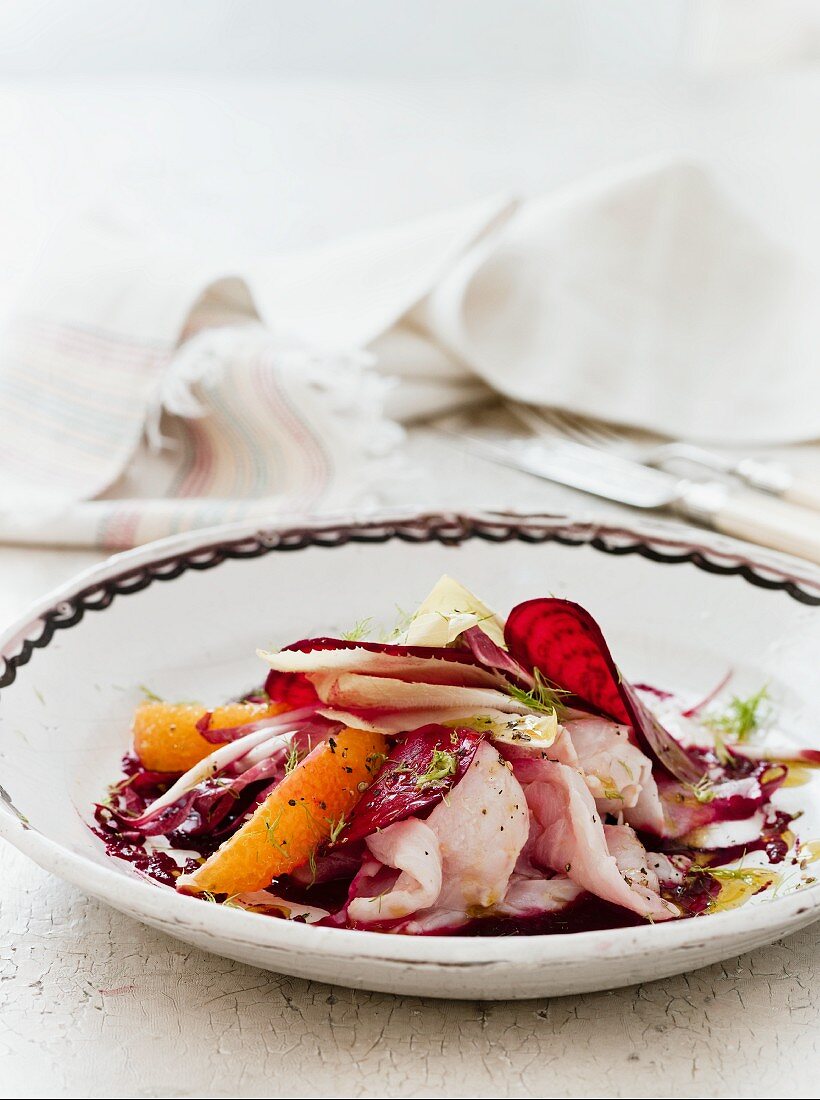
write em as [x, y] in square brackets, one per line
[752, 516]
[764, 474]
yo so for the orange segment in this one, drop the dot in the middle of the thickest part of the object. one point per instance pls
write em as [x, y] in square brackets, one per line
[292, 822]
[166, 738]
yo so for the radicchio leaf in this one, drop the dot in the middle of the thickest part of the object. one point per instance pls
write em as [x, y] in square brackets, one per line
[564, 643]
[391, 649]
[426, 664]
[396, 793]
[292, 688]
[288, 719]
[493, 657]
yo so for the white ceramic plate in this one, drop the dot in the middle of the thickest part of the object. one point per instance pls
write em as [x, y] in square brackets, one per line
[185, 616]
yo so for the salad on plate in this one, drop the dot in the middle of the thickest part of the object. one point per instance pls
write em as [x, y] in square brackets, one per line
[462, 775]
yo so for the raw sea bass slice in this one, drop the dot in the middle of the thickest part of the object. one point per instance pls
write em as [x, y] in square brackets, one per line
[476, 836]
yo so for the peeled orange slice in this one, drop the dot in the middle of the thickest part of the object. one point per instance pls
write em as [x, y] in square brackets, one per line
[287, 828]
[166, 738]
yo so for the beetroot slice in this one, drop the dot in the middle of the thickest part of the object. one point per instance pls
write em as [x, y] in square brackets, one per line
[395, 793]
[564, 643]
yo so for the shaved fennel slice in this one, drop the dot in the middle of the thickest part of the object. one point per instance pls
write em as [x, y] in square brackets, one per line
[392, 723]
[449, 610]
[539, 730]
[436, 628]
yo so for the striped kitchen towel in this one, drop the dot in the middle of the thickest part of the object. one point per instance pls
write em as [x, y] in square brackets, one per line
[142, 394]
[112, 441]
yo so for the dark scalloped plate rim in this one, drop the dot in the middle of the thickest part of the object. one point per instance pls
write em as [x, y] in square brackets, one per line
[657, 544]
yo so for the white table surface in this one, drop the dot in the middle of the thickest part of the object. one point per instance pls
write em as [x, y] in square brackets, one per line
[94, 1004]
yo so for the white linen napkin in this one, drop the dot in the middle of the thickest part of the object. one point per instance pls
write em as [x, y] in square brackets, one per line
[646, 298]
[643, 296]
[143, 393]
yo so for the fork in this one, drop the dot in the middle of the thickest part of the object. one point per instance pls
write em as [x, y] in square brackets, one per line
[765, 475]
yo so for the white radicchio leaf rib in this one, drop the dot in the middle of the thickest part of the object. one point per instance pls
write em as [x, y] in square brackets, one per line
[212, 764]
[360, 659]
[350, 690]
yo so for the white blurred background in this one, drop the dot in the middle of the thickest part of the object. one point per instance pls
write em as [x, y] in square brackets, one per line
[269, 124]
[389, 38]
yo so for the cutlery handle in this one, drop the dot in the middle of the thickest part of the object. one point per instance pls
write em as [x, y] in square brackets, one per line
[769, 522]
[803, 492]
[776, 478]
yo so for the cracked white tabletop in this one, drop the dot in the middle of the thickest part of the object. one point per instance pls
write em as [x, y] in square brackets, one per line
[95, 1004]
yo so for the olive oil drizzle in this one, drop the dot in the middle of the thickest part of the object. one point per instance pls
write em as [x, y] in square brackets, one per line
[799, 775]
[738, 885]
